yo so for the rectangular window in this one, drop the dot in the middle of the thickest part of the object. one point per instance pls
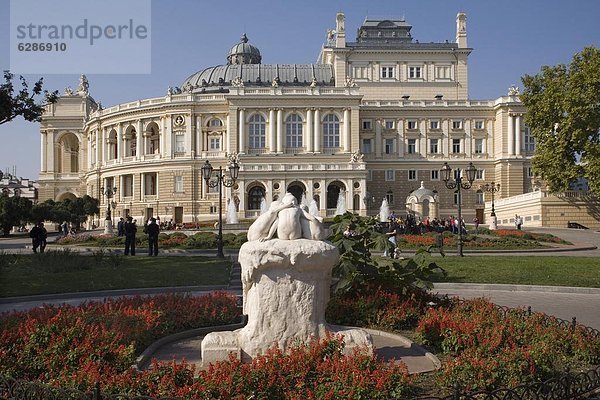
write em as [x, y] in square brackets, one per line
[528, 140]
[215, 143]
[127, 185]
[478, 146]
[412, 175]
[360, 71]
[434, 146]
[389, 196]
[387, 72]
[150, 181]
[415, 72]
[530, 172]
[434, 124]
[411, 146]
[435, 175]
[456, 146]
[457, 124]
[179, 144]
[479, 199]
[390, 175]
[480, 174]
[366, 124]
[411, 124]
[442, 72]
[479, 125]
[389, 124]
[389, 145]
[179, 184]
[365, 146]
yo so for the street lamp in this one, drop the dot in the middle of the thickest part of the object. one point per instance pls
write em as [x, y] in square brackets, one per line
[109, 193]
[458, 184]
[219, 181]
[492, 188]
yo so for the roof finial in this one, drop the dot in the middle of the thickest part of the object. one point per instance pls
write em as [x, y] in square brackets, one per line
[244, 38]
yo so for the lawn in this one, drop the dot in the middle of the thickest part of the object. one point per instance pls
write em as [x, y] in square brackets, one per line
[550, 271]
[58, 272]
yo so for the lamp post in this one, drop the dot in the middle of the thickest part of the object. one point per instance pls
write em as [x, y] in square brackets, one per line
[492, 188]
[109, 193]
[220, 180]
[458, 184]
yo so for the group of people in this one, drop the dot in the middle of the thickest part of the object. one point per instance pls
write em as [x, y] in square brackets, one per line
[39, 236]
[415, 225]
[128, 229]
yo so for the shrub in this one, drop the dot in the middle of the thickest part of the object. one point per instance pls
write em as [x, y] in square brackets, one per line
[489, 349]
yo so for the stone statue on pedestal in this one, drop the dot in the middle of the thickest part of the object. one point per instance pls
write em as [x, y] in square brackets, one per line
[286, 283]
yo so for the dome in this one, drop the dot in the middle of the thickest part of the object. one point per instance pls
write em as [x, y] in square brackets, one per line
[244, 53]
[421, 194]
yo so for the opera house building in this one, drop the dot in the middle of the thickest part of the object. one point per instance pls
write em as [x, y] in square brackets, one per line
[375, 118]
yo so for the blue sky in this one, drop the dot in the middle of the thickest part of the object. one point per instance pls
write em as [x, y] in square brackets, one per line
[510, 38]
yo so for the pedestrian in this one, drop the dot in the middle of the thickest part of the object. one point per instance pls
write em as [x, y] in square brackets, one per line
[121, 227]
[349, 232]
[130, 230]
[519, 222]
[65, 228]
[476, 223]
[152, 230]
[34, 235]
[42, 235]
[391, 234]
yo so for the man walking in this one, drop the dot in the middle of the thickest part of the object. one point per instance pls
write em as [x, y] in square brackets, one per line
[121, 227]
[130, 231]
[152, 230]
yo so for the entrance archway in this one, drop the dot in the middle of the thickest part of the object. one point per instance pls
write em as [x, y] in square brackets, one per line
[333, 192]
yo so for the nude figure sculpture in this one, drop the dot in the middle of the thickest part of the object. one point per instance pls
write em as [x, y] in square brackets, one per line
[293, 222]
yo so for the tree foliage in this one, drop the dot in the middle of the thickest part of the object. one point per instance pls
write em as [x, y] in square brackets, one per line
[563, 113]
[357, 269]
[13, 211]
[26, 102]
[74, 211]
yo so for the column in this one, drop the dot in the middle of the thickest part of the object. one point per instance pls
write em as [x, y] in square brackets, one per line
[445, 139]
[309, 130]
[226, 136]
[511, 135]
[189, 133]
[378, 142]
[467, 147]
[423, 137]
[272, 142]
[400, 147]
[518, 134]
[317, 131]
[347, 130]
[44, 150]
[98, 141]
[119, 143]
[241, 138]
[279, 130]
[139, 151]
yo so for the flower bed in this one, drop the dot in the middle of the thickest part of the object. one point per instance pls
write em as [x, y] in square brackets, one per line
[482, 347]
[472, 241]
[199, 240]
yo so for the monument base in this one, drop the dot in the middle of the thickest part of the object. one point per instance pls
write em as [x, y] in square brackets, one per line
[286, 286]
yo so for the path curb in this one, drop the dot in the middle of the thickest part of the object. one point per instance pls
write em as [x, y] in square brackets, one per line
[516, 288]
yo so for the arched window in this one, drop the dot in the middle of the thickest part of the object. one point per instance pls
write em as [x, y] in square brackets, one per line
[293, 131]
[255, 196]
[331, 131]
[215, 123]
[256, 132]
[153, 142]
[112, 145]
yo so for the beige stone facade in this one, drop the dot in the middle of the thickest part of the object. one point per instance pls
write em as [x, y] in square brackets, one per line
[371, 120]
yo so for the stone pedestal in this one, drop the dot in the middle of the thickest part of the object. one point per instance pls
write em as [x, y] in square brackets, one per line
[494, 223]
[286, 287]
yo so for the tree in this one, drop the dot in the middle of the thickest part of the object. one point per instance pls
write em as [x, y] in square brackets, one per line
[23, 103]
[13, 211]
[563, 113]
